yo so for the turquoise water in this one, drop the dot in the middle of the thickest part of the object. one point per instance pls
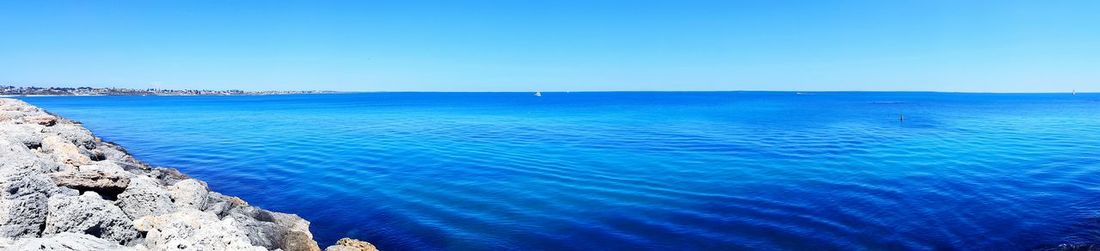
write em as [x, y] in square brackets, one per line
[628, 171]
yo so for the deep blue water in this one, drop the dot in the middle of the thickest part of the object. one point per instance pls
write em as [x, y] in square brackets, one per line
[626, 171]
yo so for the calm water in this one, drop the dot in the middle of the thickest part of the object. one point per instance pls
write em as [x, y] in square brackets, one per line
[623, 171]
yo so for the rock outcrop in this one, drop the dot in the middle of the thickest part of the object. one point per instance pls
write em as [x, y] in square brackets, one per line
[90, 214]
[191, 229]
[66, 242]
[349, 244]
[61, 188]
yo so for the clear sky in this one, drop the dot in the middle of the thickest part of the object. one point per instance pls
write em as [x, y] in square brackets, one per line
[630, 45]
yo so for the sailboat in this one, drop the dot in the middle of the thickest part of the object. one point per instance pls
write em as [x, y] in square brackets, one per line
[1074, 92]
[538, 94]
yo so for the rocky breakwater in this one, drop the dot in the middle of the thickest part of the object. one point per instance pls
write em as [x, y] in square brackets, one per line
[61, 188]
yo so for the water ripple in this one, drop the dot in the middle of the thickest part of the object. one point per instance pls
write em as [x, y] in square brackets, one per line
[629, 171]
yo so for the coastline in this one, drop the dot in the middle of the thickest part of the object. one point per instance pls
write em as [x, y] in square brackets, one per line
[196, 95]
[63, 188]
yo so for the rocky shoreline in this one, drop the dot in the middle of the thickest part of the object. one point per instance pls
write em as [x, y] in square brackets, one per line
[61, 188]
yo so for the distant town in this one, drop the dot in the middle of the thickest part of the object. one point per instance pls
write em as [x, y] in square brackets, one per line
[103, 91]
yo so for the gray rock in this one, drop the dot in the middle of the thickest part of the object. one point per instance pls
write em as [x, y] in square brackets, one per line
[190, 229]
[117, 155]
[189, 193]
[16, 155]
[144, 197]
[23, 217]
[297, 236]
[66, 242]
[167, 176]
[23, 193]
[259, 225]
[16, 184]
[28, 135]
[107, 167]
[89, 214]
[220, 204]
[274, 230]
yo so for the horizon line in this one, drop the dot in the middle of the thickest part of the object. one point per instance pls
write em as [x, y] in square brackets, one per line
[554, 91]
[789, 91]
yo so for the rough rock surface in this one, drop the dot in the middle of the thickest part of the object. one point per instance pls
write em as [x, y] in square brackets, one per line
[144, 197]
[24, 189]
[61, 188]
[189, 193]
[94, 180]
[65, 242]
[89, 213]
[349, 244]
[191, 229]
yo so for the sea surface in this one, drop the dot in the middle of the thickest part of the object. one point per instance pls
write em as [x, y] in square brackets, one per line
[638, 170]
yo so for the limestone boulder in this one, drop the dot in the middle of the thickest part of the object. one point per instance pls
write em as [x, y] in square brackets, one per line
[24, 190]
[66, 242]
[92, 180]
[144, 196]
[16, 155]
[349, 244]
[74, 134]
[27, 135]
[64, 151]
[274, 230]
[189, 193]
[117, 155]
[166, 176]
[10, 116]
[190, 229]
[22, 215]
[42, 119]
[90, 214]
[220, 204]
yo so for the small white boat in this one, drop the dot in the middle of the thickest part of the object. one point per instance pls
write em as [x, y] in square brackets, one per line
[538, 94]
[1074, 92]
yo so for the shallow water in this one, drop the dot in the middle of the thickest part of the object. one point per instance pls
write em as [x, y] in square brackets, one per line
[617, 171]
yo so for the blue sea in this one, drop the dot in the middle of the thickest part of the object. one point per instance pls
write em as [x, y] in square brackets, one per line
[638, 170]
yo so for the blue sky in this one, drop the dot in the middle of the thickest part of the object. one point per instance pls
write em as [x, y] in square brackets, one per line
[926, 45]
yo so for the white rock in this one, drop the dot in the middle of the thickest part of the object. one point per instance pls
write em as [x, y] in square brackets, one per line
[189, 193]
[190, 229]
[66, 242]
[15, 155]
[74, 134]
[27, 135]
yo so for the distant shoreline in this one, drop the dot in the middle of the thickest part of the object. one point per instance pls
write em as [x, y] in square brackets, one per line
[548, 92]
[20, 96]
[34, 91]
